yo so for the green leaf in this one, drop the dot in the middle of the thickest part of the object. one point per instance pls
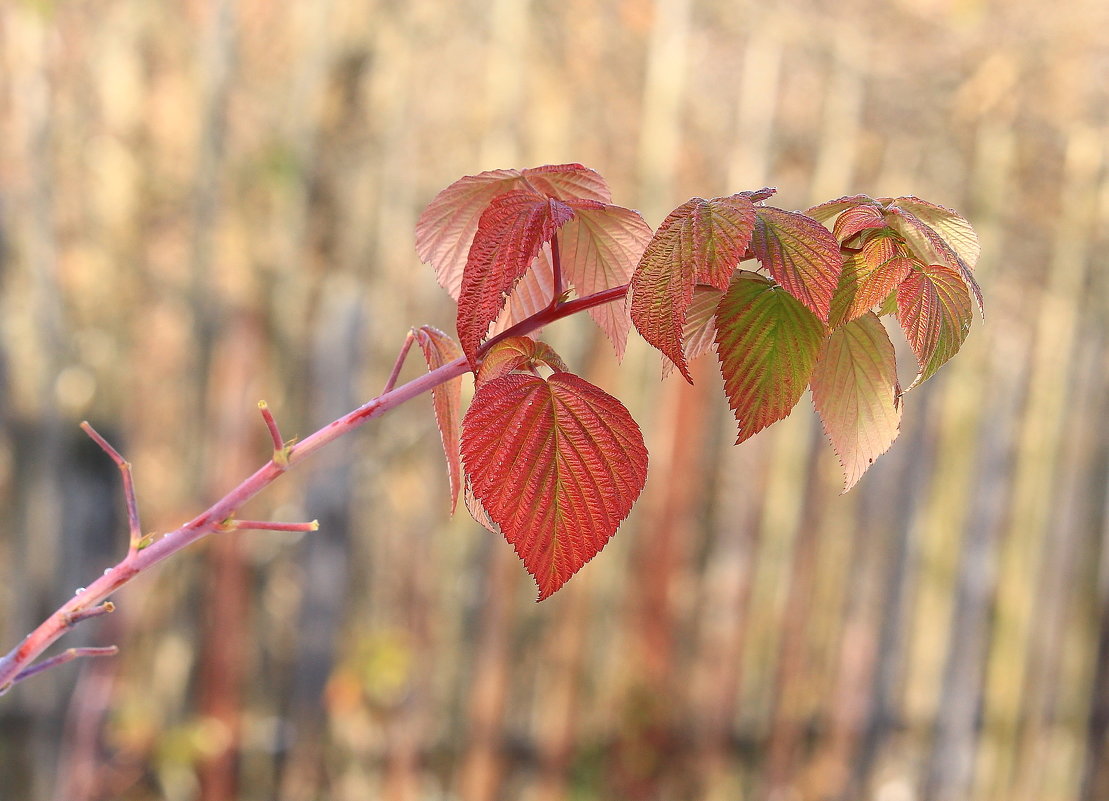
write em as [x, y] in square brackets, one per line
[447, 226]
[801, 255]
[767, 343]
[440, 349]
[556, 464]
[855, 392]
[509, 236]
[934, 309]
[699, 242]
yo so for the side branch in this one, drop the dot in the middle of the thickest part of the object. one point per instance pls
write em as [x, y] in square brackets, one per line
[15, 665]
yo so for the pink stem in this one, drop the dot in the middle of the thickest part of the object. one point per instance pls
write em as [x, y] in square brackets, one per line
[14, 665]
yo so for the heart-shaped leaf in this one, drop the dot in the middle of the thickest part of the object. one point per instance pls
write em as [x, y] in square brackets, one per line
[440, 349]
[699, 242]
[767, 343]
[510, 233]
[801, 254]
[934, 309]
[556, 464]
[447, 226]
[855, 392]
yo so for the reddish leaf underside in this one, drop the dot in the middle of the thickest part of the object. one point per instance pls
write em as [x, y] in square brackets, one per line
[447, 226]
[826, 211]
[934, 309]
[801, 254]
[933, 248]
[531, 294]
[517, 353]
[512, 230]
[699, 331]
[699, 242]
[952, 227]
[855, 392]
[556, 464]
[599, 250]
[767, 343]
[440, 349]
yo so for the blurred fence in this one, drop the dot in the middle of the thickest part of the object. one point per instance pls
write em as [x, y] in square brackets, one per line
[207, 203]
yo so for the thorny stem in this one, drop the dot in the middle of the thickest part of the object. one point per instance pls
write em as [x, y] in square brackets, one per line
[128, 485]
[393, 376]
[16, 665]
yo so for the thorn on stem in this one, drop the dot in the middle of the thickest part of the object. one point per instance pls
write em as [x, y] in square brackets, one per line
[267, 525]
[281, 447]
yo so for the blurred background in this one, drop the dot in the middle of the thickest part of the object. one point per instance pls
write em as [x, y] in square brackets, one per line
[208, 203]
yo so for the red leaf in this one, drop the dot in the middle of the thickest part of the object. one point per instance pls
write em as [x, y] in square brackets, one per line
[855, 392]
[532, 293]
[801, 254]
[933, 307]
[440, 349]
[517, 354]
[856, 219]
[700, 242]
[933, 248]
[447, 226]
[556, 464]
[599, 250]
[767, 343]
[509, 236]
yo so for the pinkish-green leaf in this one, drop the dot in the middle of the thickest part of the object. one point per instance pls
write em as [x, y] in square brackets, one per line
[510, 234]
[556, 464]
[699, 242]
[801, 255]
[599, 250]
[767, 343]
[439, 349]
[855, 392]
[866, 283]
[934, 309]
[447, 226]
[517, 353]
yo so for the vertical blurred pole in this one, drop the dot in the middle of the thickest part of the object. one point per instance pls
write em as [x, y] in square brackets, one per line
[1075, 417]
[644, 753]
[236, 442]
[337, 351]
[223, 666]
[1048, 407]
[481, 771]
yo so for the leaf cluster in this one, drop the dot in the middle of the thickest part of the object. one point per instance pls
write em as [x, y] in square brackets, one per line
[788, 301]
